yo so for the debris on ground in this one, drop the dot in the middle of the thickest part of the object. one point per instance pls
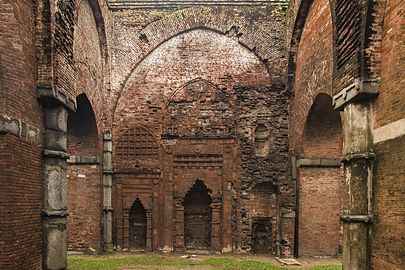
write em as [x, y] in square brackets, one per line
[288, 261]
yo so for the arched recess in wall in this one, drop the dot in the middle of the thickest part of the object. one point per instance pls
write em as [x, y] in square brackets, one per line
[90, 64]
[151, 48]
[215, 19]
[137, 226]
[197, 217]
[82, 129]
[84, 178]
[298, 24]
[310, 64]
[320, 181]
[239, 66]
[261, 140]
[263, 204]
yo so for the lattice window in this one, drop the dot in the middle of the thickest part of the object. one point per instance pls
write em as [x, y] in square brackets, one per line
[137, 143]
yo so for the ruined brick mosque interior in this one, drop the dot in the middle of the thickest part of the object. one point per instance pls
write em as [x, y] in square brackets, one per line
[246, 126]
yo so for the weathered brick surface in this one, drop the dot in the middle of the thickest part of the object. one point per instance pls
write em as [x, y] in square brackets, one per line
[319, 225]
[323, 137]
[207, 83]
[20, 188]
[188, 90]
[89, 63]
[20, 204]
[316, 132]
[389, 207]
[314, 65]
[85, 207]
[84, 179]
[319, 209]
[17, 56]
[138, 33]
[390, 104]
[84, 137]
[388, 229]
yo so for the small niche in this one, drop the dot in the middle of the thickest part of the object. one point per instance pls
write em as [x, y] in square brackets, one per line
[261, 140]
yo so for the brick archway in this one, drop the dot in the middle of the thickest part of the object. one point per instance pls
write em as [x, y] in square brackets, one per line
[197, 217]
[319, 181]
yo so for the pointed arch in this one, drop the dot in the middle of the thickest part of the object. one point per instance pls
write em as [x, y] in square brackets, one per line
[197, 217]
[137, 225]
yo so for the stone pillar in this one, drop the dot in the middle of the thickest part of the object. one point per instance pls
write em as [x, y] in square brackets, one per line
[149, 230]
[179, 226]
[107, 192]
[54, 183]
[216, 224]
[125, 229]
[357, 186]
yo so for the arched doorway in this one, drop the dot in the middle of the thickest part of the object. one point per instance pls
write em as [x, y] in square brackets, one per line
[137, 226]
[320, 181]
[197, 217]
[84, 174]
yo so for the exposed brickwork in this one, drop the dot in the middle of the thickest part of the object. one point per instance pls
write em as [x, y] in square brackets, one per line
[263, 106]
[140, 32]
[319, 229]
[85, 205]
[323, 131]
[20, 204]
[84, 179]
[196, 97]
[314, 65]
[316, 132]
[388, 228]
[320, 207]
[192, 94]
[89, 63]
[17, 56]
[390, 104]
[20, 188]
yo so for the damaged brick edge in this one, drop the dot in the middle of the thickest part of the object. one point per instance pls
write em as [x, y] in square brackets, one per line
[20, 129]
[51, 94]
[85, 160]
[359, 89]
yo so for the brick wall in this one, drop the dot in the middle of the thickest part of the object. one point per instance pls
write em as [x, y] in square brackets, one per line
[89, 62]
[84, 179]
[18, 95]
[316, 132]
[85, 207]
[323, 135]
[389, 229]
[390, 104]
[20, 204]
[20, 188]
[319, 209]
[84, 137]
[185, 75]
[319, 224]
[314, 65]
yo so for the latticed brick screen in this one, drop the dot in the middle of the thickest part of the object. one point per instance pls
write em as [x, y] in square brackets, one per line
[137, 143]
